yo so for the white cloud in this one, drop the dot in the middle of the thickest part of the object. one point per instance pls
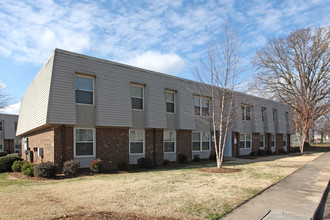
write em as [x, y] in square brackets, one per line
[11, 109]
[2, 85]
[169, 63]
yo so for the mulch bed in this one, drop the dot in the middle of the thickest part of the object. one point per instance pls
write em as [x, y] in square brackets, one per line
[111, 215]
[219, 170]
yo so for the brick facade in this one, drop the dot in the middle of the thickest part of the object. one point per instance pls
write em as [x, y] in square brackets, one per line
[9, 145]
[63, 142]
[154, 145]
[112, 146]
[255, 142]
[183, 143]
[267, 141]
[279, 142]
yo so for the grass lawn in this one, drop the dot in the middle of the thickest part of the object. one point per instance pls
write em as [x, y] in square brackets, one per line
[184, 193]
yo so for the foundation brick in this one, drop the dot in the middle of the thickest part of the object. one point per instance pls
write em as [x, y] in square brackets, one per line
[183, 143]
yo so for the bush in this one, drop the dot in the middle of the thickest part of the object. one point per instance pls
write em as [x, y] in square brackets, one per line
[122, 165]
[261, 152]
[166, 162]
[281, 151]
[71, 167]
[6, 162]
[45, 170]
[295, 149]
[268, 152]
[145, 162]
[252, 154]
[182, 158]
[3, 153]
[96, 166]
[306, 145]
[197, 158]
[213, 157]
[17, 166]
[27, 169]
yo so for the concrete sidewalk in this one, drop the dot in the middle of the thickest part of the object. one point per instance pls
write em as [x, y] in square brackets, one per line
[295, 197]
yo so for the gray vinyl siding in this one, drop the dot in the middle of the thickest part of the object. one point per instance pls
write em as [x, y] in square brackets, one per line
[85, 116]
[8, 126]
[34, 104]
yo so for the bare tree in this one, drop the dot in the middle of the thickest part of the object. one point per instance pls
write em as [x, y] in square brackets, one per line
[3, 96]
[219, 73]
[296, 71]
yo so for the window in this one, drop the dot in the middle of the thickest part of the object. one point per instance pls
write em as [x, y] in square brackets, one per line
[263, 114]
[84, 141]
[17, 144]
[246, 112]
[1, 124]
[137, 97]
[84, 90]
[245, 141]
[136, 141]
[262, 141]
[202, 106]
[170, 101]
[284, 140]
[1, 144]
[274, 115]
[201, 141]
[272, 140]
[169, 141]
[15, 125]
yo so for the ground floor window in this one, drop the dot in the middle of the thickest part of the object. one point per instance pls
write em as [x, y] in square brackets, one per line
[200, 141]
[136, 141]
[284, 140]
[84, 142]
[262, 141]
[245, 140]
[169, 141]
[17, 144]
[272, 140]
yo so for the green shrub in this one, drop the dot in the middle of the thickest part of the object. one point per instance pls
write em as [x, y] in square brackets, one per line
[261, 152]
[17, 166]
[3, 153]
[71, 167]
[27, 169]
[182, 158]
[6, 162]
[122, 165]
[213, 157]
[197, 158]
[166, 162]
[252, 154]
[45, 170]
[96, 166]
[268, 152]
[145, 162]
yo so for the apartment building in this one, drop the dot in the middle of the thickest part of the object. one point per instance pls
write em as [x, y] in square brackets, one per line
[80, 107]
[9, 142]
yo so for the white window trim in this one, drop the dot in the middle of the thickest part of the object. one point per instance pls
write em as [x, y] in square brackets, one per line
[200, 142]
[141, 86]
[85, 76]
[169, 141]
[246, 141]
[144, 141]
[275, 115]
[263, 114]
[201, 107]
[286, 140]
[174, 97]
[244, 112]
[74, 143]
[274, 140]
[263, 147]
[1, 126]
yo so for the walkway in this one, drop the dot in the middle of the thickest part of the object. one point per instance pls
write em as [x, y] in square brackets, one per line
[295, 197]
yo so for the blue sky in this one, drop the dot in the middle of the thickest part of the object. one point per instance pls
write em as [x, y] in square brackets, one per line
[162, 35]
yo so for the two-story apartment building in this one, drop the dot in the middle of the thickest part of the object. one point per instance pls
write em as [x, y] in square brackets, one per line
[9, 142]
[80, 107]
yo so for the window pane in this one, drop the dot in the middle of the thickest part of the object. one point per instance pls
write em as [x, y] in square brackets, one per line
[137, 103]
[205, 146]
[241, 143]
[205, 136]
[261, 137]
[84, 83]
[170, 107]
[248, 109]
[169, 96]
[248, 144]
[248, 137]
[196, 137]
[205, 111]
[84, 97]
[84, 149]
[169, 136]
[205, 102]
[272, 137]
[84, 135]
[137, 92]
[136, 136]
[169, 147]
[196, 101]
[196, 146]
[273, 143]
[261, 144]
[136, 147]
[197, 110]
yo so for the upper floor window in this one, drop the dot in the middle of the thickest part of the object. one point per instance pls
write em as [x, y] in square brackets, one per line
[170, 101]
[262, 141]
[84, 90]
[137, 97]
[274, 115]
[246, 112]
[169, 141]
[245, 141]
[200, 141]
[263, 114]
[15, 125]
[1, 124]
[202, 106]
[136, 141]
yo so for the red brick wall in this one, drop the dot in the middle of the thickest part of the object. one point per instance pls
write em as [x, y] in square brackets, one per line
[288, 143]
[9, 145]
[63, 142]
[279, 142]
[154, 145]
[267, 141]
[255, 142]
[112, 146]
[183, 143]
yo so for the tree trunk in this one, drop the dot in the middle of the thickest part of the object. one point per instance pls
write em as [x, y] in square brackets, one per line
[219, 162]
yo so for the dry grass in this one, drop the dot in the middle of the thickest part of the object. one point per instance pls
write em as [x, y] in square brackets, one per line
[184, 193]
